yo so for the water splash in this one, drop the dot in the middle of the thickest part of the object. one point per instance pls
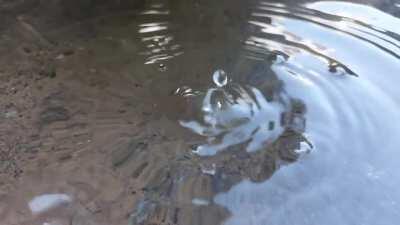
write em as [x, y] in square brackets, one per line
[234, 114]
[220, 78]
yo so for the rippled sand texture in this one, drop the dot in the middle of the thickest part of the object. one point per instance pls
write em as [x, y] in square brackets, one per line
[93, 103]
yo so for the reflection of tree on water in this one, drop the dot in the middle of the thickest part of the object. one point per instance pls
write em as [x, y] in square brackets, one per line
[185, 187]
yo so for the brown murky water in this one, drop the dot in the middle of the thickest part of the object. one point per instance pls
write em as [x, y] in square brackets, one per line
[120, 113]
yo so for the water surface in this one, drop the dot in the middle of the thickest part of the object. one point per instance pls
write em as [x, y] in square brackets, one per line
[204, 112]
[352, 118]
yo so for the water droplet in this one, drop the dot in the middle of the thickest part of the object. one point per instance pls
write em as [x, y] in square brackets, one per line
[333, 67]
[337, 69]
[162, 67]
[220, 78]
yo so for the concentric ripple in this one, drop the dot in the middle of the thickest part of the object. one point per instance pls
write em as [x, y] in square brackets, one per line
[353, 121]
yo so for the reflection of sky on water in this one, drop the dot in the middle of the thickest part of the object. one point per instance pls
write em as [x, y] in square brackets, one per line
[353, 122]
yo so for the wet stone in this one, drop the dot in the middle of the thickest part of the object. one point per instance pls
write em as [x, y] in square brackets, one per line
[125, 150]
[54, 114]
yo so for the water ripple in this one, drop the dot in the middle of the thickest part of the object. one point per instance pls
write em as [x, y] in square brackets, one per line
[353, 121]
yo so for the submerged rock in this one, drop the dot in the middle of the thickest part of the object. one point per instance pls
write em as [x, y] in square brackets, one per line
[54, 114]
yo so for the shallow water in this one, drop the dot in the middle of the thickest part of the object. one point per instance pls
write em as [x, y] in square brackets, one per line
[236, 113]
[352, 117]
